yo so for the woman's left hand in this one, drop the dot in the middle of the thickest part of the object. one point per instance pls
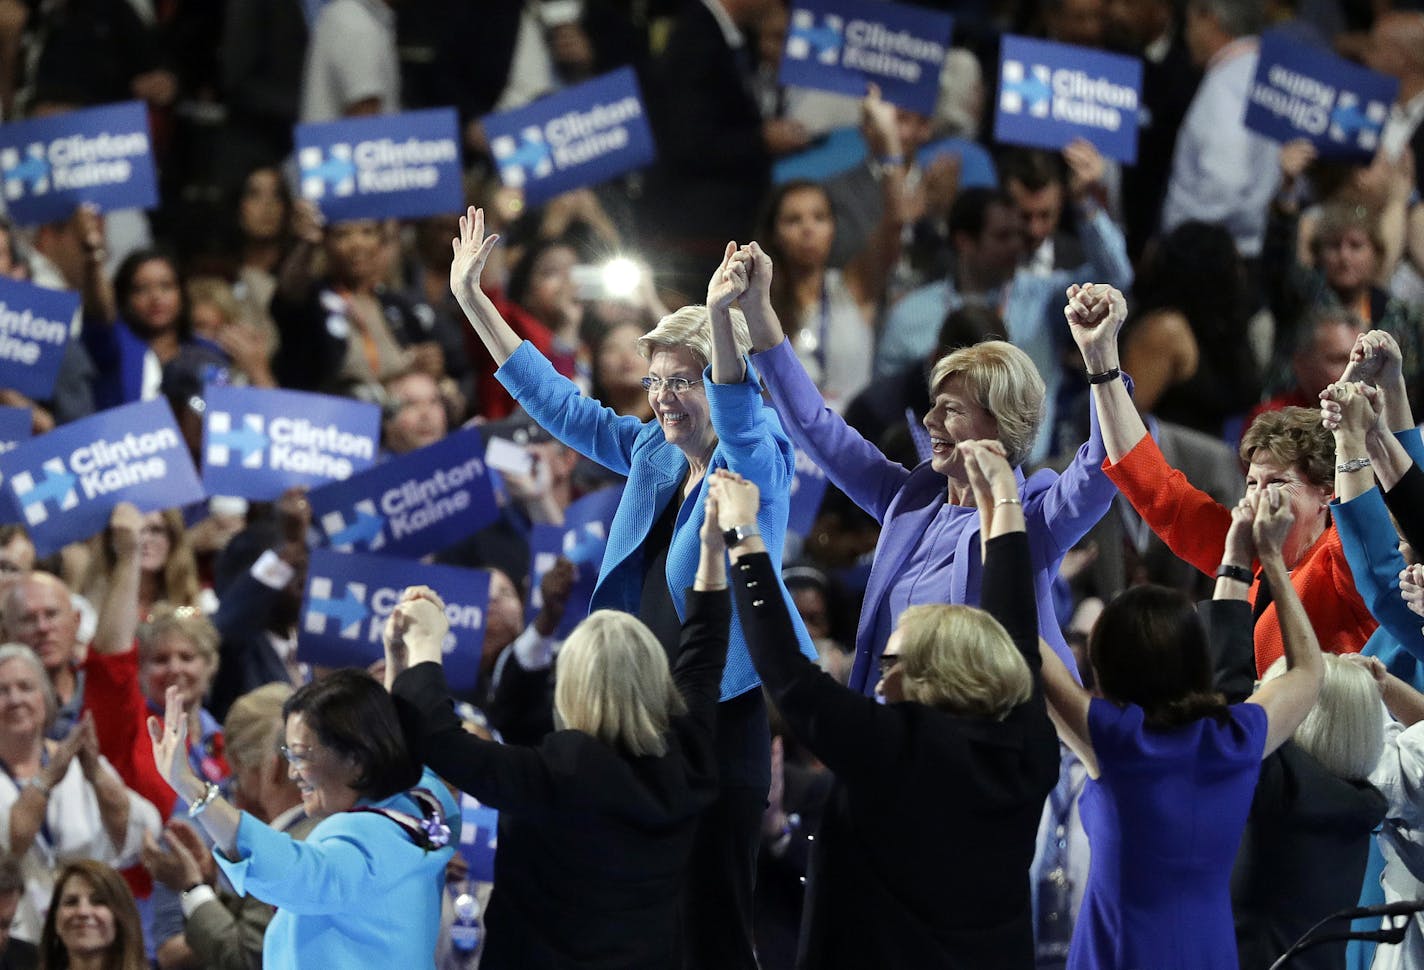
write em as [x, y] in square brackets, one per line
[729, 282]
[990, 476]
[738, 500]
[170, 747]
[418, 626]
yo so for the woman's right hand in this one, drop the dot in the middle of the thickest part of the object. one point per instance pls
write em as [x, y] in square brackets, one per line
[1375, 359]
[990, 475]
[1349, 409]
[125, 524]
[416, 628]
[730, 280]
[1273, 521]
[170, 747]
[1095, 314]
[738, 500]
[765, 328]
[472, 249]
[1240, 548]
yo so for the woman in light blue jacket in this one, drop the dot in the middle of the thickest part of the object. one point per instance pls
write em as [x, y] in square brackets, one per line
[364, 888]
[708, 414]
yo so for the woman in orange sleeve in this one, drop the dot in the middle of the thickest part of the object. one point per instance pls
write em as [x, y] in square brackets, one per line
[1289, 448]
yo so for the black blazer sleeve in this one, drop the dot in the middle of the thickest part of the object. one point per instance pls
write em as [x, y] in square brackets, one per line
[521, 708]
[1406, 503]
[703, 653]
[850, 733]
[1007, 593]
[1230, 634]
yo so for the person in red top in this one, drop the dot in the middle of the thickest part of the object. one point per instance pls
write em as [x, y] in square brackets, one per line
[1288, 448]
[125, 673]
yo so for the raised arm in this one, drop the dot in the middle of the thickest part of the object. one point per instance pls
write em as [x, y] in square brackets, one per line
[1289, 697]
[728, 283]
[868, 271]
[1227, 614]
[1103, 240]
[1377, 360]
[1007, 588]
[472, 248]
[1095, 314]
[294, 276]
[118, 614]
[1358, 406]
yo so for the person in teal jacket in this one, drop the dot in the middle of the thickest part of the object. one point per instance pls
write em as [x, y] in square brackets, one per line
[708, 414]
[365, 887]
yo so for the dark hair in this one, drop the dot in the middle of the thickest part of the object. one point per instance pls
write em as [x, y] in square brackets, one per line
[354, 716]
[1149, 648]
[126, 952]
[521, 275]
[124, 285]
[970, 324]
[783, 299]
[1033, 169]
[970, 211]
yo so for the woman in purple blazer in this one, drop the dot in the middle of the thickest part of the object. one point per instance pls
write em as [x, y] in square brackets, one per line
[929, 539]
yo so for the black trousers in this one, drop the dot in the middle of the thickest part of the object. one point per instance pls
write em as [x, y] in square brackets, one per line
[717, 924]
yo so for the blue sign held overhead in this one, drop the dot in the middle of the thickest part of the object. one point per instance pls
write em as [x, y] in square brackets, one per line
[48, 166]
[843, 45]
[1301, 91]
[385, 166]
[582, 538]
[34, 329]
[581, 136]
[63, 485]
[350, 595]
[16, 425]
[1051, 94]
[479, 837]
[255, 445]
[418, 503]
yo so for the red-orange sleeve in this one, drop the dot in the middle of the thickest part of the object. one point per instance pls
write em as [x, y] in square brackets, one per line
[1188, 520]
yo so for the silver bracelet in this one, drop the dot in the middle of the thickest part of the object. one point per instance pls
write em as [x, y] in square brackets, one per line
[1007, 501]
[1353, 465]
[210, 795]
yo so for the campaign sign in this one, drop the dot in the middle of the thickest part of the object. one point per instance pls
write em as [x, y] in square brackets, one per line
[580, 136]
[255, 446]
[582, 539]
[64, 484]
[808, 487]
[1051, 94]
[417, 503]
[48, 166]
[349, 596]
[34, 327]
[385, 166]
[841, 45]
[479, 837]
[16, 425]
[1301, 91]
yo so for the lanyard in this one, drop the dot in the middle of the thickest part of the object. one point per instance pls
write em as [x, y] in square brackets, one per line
[44, 832]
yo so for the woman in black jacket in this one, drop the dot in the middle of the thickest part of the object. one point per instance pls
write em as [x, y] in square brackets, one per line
[596, 823]
[922, 858]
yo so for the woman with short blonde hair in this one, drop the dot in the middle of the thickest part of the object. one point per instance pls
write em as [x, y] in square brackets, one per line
[961, 659]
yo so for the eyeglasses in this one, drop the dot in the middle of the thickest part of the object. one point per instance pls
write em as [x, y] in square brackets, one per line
[298, 760]
[887, 663]
[678, 385]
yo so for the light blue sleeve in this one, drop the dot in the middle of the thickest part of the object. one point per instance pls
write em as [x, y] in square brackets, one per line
[1106, 249]
[554, 401]
[911, 328]
[1371, 548]
[755, 448]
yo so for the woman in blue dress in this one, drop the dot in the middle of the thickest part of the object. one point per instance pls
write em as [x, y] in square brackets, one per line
[1173, 768]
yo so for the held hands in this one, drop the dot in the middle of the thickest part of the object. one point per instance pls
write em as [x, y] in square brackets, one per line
[730, 280]
[738, 500]
[1273, 521]
[1411, 587]
[1375, 359]
[1095, 314]
[990, 476]
[415, 630]
[1350, 409]
[472, 250]
[125, 524]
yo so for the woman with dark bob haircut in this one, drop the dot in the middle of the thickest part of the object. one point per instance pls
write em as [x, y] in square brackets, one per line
[377, 837]
[92, 921]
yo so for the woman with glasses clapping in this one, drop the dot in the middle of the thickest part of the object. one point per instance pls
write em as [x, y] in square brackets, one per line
[708, 414]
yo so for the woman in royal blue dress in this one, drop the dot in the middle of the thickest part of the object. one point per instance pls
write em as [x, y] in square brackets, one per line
[1173, 768]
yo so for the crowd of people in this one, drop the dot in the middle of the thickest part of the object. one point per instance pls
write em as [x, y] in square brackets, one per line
[1103, 648]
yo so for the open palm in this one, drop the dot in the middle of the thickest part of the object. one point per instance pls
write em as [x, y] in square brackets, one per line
[472, 249]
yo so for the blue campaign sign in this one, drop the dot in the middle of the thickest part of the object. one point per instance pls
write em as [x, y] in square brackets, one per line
[34, 327]
[580, 136]
[582, 539]
[417, 503]
[63, 485]
[255, 446]
[1301, 91]
[807, 490]
[1051, 94]
[100, 155]
[841, 45]
[349, 596]
[384, 166]
[479, 837]
[16, 425]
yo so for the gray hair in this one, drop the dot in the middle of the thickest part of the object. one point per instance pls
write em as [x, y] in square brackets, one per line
[18, 651]
[1344, 731]
[691, 327]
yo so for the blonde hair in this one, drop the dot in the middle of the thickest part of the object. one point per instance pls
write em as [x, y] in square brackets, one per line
[960, 659]
[186, 621]
[179, 575]
[691, 327]
[1003, 381]
[613, 682]
[253, 725]
[1344, 731]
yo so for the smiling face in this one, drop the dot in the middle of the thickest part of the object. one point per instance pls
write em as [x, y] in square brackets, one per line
[172, 660]
[1308, 502]
[83, 923]
[22, 700]
[323, 777]
[954, 417]
[686, 418]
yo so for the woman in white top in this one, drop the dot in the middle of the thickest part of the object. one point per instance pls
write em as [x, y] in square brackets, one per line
[59, 800]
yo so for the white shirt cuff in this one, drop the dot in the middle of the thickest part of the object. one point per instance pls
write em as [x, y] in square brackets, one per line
[195, 897]
[271, 571]
[532, 651]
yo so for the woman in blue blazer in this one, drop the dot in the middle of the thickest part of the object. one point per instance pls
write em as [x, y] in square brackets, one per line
[708, 414]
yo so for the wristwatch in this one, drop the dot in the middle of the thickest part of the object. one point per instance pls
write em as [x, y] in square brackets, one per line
[738, 534]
